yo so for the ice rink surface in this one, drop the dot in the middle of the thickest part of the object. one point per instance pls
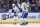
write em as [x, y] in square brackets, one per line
[18, 25]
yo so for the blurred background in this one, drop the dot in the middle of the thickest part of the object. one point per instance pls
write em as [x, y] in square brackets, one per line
[6, 5]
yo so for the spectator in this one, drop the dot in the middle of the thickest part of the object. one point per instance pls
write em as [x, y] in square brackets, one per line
[30, 1]
[38, 5]
[0, 3]
[10, 4]
[36, 9]
[33, 5]
[1, 10]
[5, 10]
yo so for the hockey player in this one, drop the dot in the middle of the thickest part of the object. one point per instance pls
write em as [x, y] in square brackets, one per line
[25, 7]
[14, 9]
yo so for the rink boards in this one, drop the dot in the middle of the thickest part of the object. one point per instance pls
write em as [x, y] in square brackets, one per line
[10, 19]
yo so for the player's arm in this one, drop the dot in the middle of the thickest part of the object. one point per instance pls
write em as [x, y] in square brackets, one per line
[10, 11]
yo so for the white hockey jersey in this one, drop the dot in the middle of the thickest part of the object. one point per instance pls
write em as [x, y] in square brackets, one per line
[25, 6]
[15, 9]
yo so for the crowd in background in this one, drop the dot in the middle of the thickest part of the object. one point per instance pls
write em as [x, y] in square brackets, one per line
[6, 5]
